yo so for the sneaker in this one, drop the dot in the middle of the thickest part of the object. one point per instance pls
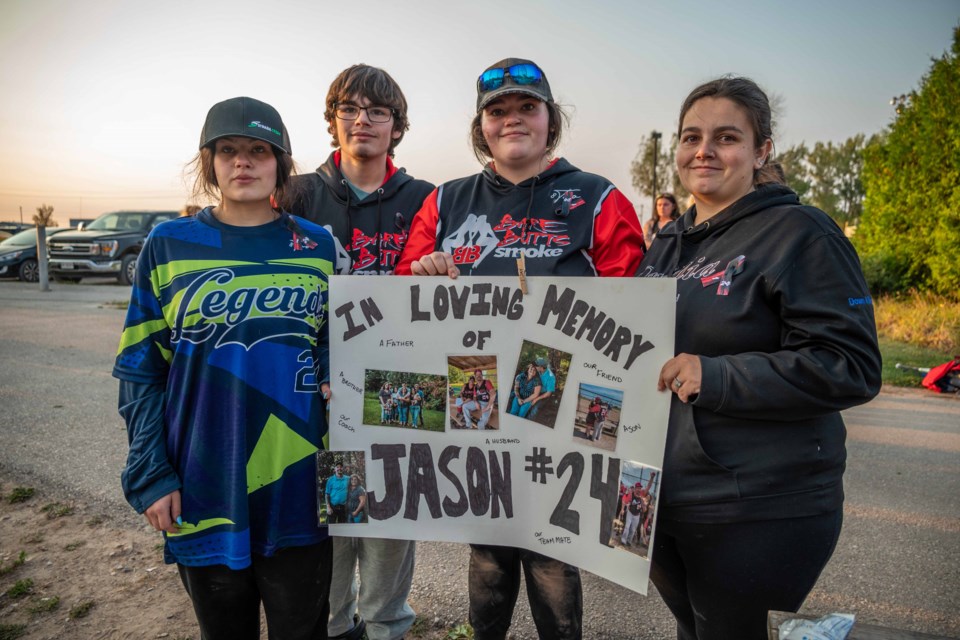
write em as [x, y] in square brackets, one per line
[357, 633]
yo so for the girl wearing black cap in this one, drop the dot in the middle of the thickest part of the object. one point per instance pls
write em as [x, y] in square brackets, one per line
[556, 220]
[223, 366]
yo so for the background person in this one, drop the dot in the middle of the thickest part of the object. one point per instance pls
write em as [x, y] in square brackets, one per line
[526, 387]
[205, 465]
[367, 203]
[356, 500]
[548, 384]
[485, 397]
[667, 211]
[563, 222]
[335, 493]
[601, 420]
[752, 495]
[593, 412]
[635, 510]
[385, 403]
[416, 398]
[465, 400]
[403, 398]
[418, 390]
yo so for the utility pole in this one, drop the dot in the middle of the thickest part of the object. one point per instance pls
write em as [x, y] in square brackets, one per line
[655, 136]
[42, 257]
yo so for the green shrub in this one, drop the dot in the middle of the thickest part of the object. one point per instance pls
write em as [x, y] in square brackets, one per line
[20, 588]
[4, 570]
[21, 494]
[81, 610]
[45, 605]
[12, 631]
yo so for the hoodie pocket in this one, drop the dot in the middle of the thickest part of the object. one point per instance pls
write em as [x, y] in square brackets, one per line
[689, 474]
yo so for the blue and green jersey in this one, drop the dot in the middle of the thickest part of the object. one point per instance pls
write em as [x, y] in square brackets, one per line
[233, 321]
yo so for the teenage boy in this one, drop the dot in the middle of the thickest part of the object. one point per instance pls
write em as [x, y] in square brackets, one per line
[367, 204]
[358, 194]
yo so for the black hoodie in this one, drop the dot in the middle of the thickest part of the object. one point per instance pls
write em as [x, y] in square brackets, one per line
[369, 233]
[565, 221]
[771, 298]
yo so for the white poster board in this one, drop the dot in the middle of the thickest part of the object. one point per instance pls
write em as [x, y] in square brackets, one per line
[549, 477]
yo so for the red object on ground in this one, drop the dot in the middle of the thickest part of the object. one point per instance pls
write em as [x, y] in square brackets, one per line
[943, 378]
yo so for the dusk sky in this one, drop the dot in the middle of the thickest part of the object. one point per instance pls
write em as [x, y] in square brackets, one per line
[103, 101]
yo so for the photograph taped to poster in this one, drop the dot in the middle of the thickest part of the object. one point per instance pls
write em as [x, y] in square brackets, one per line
[525, 473]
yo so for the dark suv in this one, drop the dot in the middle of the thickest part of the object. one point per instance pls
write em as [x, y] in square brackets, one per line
[18, 255]
[107, 246]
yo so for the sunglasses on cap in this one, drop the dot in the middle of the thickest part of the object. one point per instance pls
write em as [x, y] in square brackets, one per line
[519, 74]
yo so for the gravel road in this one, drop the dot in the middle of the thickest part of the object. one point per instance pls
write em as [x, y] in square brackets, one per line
[897, 562]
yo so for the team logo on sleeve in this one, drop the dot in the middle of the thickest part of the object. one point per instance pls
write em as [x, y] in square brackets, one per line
[301, 242]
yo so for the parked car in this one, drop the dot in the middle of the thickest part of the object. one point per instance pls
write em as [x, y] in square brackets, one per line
[8, 229]
[18, 255]
[107, 246]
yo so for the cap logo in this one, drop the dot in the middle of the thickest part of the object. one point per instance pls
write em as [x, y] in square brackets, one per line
[257, 124]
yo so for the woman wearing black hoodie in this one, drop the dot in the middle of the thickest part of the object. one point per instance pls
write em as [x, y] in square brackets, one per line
[775, 336]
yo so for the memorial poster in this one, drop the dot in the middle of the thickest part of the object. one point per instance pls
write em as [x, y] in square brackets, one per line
[466, 410]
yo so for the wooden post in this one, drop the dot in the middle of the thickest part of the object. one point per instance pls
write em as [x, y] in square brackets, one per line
[42, 257]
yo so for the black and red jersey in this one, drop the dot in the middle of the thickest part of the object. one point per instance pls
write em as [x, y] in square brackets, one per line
[564, 222]
[484, 391]
[370, 233]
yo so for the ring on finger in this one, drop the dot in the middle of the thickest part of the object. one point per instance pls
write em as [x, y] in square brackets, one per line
[677, 383]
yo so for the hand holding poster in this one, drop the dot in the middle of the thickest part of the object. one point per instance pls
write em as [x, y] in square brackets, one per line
[482, 414]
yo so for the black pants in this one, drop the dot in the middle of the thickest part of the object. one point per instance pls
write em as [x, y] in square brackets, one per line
[294, 586]
[338, 514]
[719, 580]
[553, 587]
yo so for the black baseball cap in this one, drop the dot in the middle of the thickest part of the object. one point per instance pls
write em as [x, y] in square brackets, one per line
[538, 88]
[245, 117]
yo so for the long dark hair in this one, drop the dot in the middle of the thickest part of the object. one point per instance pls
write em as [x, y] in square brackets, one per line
[673, 200]
[748, 95]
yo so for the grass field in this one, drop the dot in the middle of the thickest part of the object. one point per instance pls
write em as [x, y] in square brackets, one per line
[432, 420]
[910, 355]
[921, 319]
[918, 330]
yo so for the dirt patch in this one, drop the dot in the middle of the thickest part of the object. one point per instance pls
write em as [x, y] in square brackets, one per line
[89, 577]
[67, 570]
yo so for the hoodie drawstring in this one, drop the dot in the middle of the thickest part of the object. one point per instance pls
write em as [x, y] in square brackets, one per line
[526, 216]
[379, 231]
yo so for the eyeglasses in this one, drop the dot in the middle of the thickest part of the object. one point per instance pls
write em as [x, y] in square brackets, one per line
[519, 73]
[348, 111]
